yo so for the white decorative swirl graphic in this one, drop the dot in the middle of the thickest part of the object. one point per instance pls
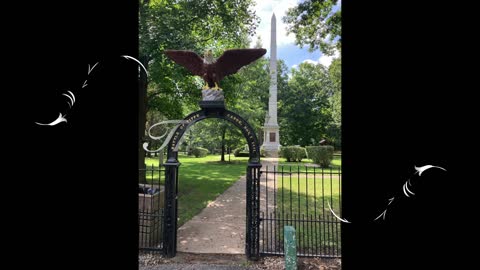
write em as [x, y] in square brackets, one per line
[61, 118]
[71, 100]
[405, 188]
[420, 170]
[384, 213]
[168, 131]
[140, 63]
[71, 96]
[90, 69]
[406, 191]
[341, 219]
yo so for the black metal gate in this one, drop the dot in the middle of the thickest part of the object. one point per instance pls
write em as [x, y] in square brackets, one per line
[151, 199]
[212, 109]
[302, 197]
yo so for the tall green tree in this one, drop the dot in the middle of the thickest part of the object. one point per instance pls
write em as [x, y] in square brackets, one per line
[335, 128]
[182, 24]
[316, 24]
[304, 108]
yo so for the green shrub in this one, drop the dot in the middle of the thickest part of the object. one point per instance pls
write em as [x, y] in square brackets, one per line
[237, 151]
[262, 152]
[321, 155]
[240, 152]
[293, 153]
[199, 152]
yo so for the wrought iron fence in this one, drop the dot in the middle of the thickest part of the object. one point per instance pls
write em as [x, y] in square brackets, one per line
[151, 194]
[301, 197]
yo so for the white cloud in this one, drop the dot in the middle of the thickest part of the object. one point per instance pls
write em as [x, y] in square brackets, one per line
[264, 9]
[327, 60]
[324, 60]
[310, 61]
[295, 66]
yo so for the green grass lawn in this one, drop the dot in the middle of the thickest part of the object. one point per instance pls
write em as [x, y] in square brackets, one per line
[306, 196]
[201, 181]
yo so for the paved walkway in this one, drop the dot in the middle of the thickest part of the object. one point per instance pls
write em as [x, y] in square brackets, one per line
[220, 227]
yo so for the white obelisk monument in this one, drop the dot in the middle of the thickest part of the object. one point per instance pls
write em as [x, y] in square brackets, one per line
[271, 138]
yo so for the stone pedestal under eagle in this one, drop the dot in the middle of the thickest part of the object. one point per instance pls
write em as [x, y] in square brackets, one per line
[214, 70]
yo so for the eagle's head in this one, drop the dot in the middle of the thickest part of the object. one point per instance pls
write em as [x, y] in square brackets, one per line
[208, 57]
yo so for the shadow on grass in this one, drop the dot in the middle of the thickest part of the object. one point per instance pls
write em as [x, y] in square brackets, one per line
[302, 202]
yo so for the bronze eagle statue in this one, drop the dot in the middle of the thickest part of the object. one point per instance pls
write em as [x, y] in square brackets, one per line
[214, 70]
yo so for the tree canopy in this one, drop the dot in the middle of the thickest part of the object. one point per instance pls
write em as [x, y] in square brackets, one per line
[316, 24]
[187, 25]
[305, 107]
[309, 99]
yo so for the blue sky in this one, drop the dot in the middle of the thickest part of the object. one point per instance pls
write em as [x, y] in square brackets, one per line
[293, 55]
[286, 48]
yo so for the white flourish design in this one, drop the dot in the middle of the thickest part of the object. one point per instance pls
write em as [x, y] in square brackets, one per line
[135, 59]
[405, 188]
[341, 219]
[71, 96]
[70, 102]
[61, 118]
[420, 170]
[168, 133]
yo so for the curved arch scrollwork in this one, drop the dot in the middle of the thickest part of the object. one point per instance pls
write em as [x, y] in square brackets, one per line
[238, 121]
[173, 140]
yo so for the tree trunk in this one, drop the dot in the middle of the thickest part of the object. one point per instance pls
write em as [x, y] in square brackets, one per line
[224, 130]
[160, 160]
[142, 118]
[189, 144]
[142, 99]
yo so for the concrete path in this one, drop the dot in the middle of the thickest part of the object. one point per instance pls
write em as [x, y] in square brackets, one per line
[220, 227]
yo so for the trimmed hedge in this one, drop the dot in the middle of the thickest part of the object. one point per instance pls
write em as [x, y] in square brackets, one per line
[240, 152]
[199, 152]
[293, 153]
[321, 155]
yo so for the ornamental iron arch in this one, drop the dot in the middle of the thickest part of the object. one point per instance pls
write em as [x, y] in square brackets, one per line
[213, 110]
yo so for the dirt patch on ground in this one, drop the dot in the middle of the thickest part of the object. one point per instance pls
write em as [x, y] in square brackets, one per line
[278, 263]
[149, 259]
[265, 263]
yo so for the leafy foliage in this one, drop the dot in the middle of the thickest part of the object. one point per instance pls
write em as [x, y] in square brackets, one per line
[322, 155]
[189, 25]
[304, 108]
[309, 103]
[293, 153]
[316, 24]
[334, 129]
[199, 152]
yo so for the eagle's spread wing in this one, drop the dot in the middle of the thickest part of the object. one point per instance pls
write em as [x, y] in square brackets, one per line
[190, 60]
[232, 60]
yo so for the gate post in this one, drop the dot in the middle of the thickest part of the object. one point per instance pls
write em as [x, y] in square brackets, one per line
[252, 243]
[170, 211]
